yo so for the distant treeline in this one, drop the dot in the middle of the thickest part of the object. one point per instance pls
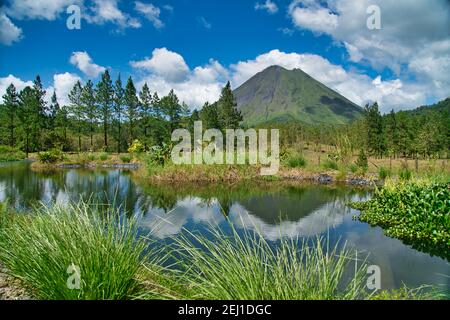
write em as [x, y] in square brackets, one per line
[423, 132]
[107, 116]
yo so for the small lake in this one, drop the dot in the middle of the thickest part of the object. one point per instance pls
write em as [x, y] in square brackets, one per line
[275, 210]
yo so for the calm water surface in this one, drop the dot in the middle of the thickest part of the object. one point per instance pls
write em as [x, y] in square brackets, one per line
[274, 210]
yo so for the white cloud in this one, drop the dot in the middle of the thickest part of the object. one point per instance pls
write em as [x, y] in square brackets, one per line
[359, 88]
[150, 12]
[9, 33]
[42, 9]
[269, 6]
[316, 19]
[107, 11]
[205, 23]
[83, 61]
[62, 84]
[17, 82]
[413, 41]
[166, 64]
[203, 84]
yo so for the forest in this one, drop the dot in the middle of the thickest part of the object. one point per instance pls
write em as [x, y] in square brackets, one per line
[109, 116]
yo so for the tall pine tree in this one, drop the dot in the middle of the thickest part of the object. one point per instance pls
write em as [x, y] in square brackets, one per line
[105, 96]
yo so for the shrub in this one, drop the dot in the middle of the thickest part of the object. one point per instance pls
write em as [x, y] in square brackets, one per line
[126, 158]
[50, 157]
[159, 155]
[136, 147]
[362, 162]
[11, 154]
[296, 161]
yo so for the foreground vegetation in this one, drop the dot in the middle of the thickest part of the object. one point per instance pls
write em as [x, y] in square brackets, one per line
[8, 154]
[115, 263]
[416, 212]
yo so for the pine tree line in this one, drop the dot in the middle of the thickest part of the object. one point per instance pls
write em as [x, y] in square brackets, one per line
[104, 116]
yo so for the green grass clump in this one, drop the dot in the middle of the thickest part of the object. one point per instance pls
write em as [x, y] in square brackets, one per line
[416, 212]
[126, 158]
[296, 161]
[405, 174]
[384, 173]
[330, 164]
[11, 154]
[40, 247]
[405, 293]
[248, 268]
[104, 156]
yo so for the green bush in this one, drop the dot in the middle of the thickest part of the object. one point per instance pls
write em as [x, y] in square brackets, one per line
[362, 163]
[136, 147]
[50, 157]
[296, 161]
[11, 154]
[126, 158]
[159, 155]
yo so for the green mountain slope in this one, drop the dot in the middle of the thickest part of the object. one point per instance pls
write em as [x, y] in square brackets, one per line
[279, 95]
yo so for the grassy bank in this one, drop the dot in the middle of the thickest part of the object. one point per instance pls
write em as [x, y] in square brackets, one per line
[55, 159]
[417, 212]
[10, 154]
[43, 249]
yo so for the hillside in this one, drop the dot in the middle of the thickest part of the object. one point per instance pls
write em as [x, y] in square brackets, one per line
[280, 95]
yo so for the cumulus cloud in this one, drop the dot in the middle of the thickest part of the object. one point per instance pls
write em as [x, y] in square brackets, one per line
[42, 9]
[9, 33]
[17, 82]
[108, 11]
[83, 61]
[359, 88]
[63, 84]
[269, 6]
[167, 64]
[203, 84]
[151, 13]
[413, 40]
[314, 18]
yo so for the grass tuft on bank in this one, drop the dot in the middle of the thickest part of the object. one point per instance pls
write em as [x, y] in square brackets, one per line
[45, 248]
[247, 267]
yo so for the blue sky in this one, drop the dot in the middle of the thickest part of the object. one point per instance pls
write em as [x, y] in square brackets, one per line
[196, 46]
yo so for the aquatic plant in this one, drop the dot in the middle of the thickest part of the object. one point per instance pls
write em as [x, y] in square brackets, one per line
[416, 212]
